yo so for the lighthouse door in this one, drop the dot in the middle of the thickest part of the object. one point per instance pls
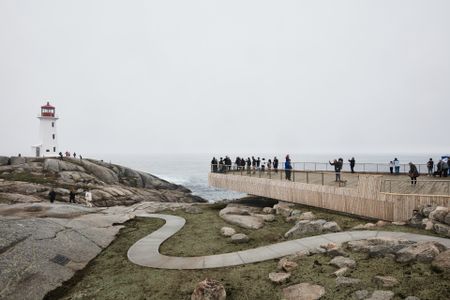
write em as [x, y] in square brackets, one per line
[38, 151]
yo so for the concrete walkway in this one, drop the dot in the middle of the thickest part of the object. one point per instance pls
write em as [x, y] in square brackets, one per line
[145, 252]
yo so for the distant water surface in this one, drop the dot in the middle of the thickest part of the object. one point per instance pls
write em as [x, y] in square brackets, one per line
[191, 170]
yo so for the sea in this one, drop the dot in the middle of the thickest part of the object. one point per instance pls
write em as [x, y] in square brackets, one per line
[191, 170]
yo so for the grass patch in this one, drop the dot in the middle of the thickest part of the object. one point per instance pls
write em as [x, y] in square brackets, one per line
[111, 276]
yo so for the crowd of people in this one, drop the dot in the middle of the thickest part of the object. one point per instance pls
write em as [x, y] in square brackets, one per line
[67, 154]
[251, 165]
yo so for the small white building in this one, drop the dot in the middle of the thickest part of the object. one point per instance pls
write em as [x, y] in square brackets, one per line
[48, 139]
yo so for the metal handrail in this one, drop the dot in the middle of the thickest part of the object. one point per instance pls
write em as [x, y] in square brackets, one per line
[384, 184]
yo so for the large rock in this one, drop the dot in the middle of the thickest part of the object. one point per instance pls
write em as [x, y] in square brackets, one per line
[426, 210]
[287, 265]
[346, 281]
[307, 216]
[381, 295]
[442, 262]
[439, 214]
[385, 281]
[209, 289]
[360, 294]
[104, 174]
[4, 160]
[227, 231]
[241, 217]
[17, 160]
[341, 261]
[422, 252]
[441, 229]
[331, 226]
[378, 247]
[279, 277]
[268, 210]
[304, 227]
[240, 238]
[283, 209]
[56, 165]
[303, 291]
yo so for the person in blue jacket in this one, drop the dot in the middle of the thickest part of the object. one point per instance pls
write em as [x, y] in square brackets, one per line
[288, 167]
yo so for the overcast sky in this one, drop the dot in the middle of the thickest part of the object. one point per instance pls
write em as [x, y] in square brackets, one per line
[227, 76]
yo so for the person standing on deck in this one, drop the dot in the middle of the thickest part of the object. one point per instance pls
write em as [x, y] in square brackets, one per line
[269, 165]
[430, 166]
[352, 164]
[275, 164]
[397, 166]
[337, 168]
[413, 173]
[445, 167]
[288, 167]
[214, 165]
[391, 167]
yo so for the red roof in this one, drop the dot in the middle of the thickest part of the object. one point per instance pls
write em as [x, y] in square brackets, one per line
[47, 105]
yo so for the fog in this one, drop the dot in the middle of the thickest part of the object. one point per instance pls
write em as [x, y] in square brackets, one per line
[227, 76]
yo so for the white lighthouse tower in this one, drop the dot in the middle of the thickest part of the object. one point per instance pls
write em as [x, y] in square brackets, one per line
[48, 139]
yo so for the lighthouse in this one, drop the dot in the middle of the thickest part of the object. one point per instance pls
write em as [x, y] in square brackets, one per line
[48, 139]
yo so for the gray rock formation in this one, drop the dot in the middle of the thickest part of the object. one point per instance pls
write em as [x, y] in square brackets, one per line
[43, 244]
[341, 262]
[30, 180]
[241, 216]
[422, 252]
[240, 238]
[346, 281]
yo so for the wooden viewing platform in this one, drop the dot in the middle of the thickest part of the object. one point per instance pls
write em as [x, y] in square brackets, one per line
[379, 196]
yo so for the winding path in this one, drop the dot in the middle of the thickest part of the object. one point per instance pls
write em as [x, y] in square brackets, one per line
[145, 252]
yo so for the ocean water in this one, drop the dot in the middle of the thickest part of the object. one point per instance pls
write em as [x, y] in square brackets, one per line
[191, 170]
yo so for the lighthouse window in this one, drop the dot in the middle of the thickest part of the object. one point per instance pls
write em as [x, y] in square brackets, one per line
[54, 149]
[46, 150]
[53, 124]
[53, 136]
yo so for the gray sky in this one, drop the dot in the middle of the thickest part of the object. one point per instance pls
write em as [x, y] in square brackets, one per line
[227, 76]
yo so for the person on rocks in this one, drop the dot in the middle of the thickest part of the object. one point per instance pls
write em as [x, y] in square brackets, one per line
[352, 164]
[430, 166]
[397, 166]
[60, 156]
[214, 165]
[288, 167]
[275, 164]
[72, 196]
[88, 198]
[52, 195]
[391, 167]
[337, 168]
[74, 155]
[413, 173]
[81, 157]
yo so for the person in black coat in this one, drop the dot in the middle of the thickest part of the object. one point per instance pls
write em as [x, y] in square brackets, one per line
[52, 196]
[72, 196]
[352, 164]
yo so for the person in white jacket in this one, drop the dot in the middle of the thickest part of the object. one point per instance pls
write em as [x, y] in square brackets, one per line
[88, 198]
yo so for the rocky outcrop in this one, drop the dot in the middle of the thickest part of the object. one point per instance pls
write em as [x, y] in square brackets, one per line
[240, 238]
[422, 252]
[432, 217]
[42, 244]
[110, 184]
[279, 277]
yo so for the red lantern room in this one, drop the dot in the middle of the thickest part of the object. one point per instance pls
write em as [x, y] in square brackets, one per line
[47, 110]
